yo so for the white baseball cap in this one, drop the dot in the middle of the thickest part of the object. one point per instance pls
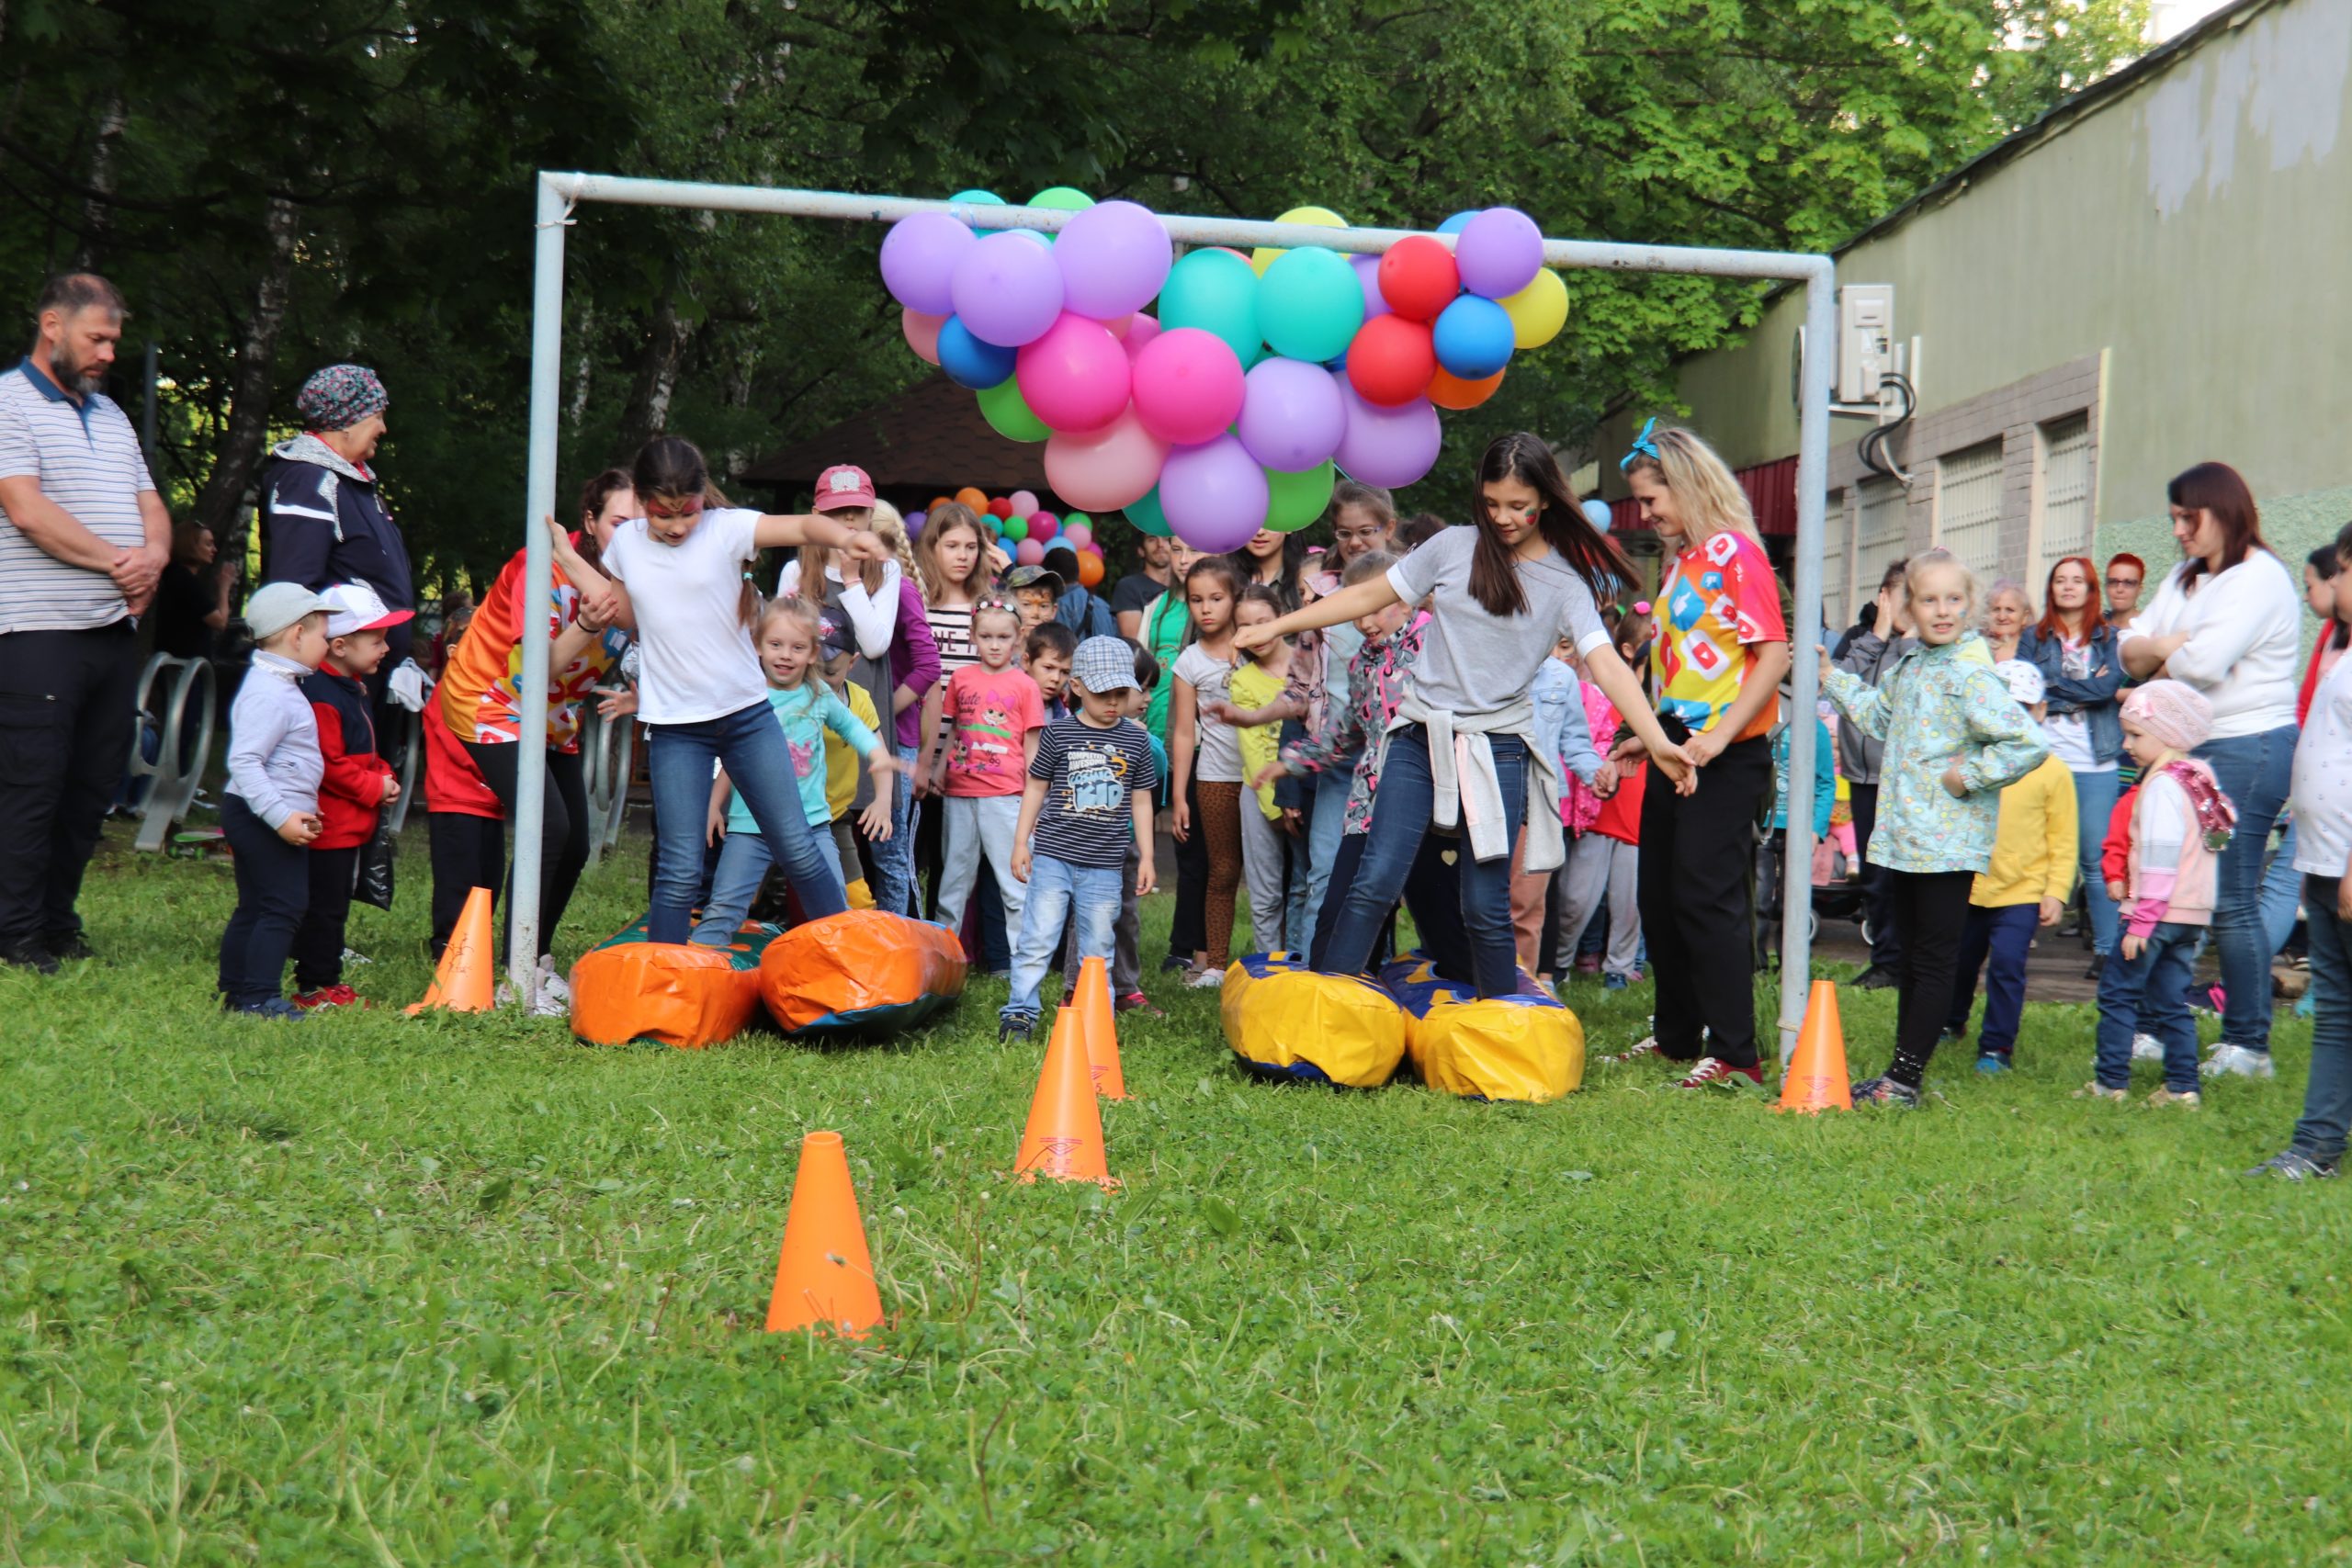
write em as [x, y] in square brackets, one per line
[356, 607]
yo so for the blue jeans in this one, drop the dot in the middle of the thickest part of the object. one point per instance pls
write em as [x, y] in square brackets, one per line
[743, 861]
[894, 857]
[2281, 885]
[749, 744]
[2095, 798]
[2327, 1098]
[2257, 773]
[2147, 996]
[1401, 815]
[1089, 894]
[2005, 935]
[1325, 822]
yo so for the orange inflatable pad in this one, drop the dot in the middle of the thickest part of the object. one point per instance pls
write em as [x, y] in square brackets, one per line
[689, 997]
[861, 971]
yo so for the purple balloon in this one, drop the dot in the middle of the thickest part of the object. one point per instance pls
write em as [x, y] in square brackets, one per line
[1389, 447]
[1215, 494]
[915, 520]
[919, 258]
[1368, 273]
[1014, 290]
[1114, 255]
[1498, 252]
[1292, 418]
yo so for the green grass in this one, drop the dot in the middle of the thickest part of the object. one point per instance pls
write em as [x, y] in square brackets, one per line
[457, 1291]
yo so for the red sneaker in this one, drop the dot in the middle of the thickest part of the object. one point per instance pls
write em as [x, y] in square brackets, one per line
[327, 996]
[1136, 1001]
[1643, 1052]
[1712, 1070]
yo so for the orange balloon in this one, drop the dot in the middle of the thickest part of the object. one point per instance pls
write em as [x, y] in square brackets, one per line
[937, 501]
[978, 500]
[1448, 390]
[1090, 568]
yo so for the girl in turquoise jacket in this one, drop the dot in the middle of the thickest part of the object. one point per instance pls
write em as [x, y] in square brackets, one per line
[1954, 739]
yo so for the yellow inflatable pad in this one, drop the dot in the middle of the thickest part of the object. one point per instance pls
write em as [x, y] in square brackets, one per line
[1284, 1021]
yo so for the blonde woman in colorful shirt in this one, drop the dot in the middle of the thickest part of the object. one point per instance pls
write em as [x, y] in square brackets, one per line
[1954, 739]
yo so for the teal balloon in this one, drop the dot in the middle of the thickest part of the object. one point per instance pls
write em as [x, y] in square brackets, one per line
[1009, 414]
[1309, 304]
[1145, 514]
[1293, 501]
[978, 198]
[1218, 292]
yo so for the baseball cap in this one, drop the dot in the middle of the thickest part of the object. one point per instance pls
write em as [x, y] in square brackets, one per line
[1033, 577]
[2024, 680]
[842, 486]
[356, 607]
[278, 606]
[1104, 664]
[833, 640]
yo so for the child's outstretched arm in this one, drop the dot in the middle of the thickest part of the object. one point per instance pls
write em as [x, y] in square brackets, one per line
[1862, 702]
[877, 821]
[1617, 684]
[778, 531]
[2010, 743]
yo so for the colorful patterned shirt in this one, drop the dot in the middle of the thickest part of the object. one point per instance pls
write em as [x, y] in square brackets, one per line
[1718, 599]
[1375, 685]
[481, 687]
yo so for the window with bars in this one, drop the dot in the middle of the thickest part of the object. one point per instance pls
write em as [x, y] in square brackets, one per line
[1836, 563]
[1968, 507]
[1883, 535]
[2066, 521]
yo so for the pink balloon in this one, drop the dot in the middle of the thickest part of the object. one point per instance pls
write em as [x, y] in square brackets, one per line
[1043, 528]
[1079, 535]
[1292, 418]
[921, 334]
[1076, 376]
[1025, 501]
[1213, 493]
[1047, 516]
[1368, 275]
[1386, 447]
[1028, 552]
[1188, 385]
[1105, 469]
[1141, 330]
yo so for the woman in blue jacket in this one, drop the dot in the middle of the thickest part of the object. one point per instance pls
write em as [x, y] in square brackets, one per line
[2075, 650]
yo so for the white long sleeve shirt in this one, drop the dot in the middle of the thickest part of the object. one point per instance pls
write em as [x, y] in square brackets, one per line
[873, 617]
[2245, 629]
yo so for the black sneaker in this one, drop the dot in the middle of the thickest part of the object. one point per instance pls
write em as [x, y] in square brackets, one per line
[2097, 968]
[1174, 963]
[1014, 1026]
[68, 947]
[1886, 1092]
[1877, 978]
[29, 955]
[2292, 1165]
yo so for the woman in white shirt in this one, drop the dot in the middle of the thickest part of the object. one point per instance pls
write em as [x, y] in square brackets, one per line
[2227, 621]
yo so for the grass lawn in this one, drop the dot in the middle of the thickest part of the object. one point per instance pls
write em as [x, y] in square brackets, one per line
[453, 1290]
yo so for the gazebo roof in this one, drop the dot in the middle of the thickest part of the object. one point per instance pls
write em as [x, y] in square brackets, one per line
[930, 437]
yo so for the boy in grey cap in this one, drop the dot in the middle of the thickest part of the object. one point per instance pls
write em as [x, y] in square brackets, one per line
[1086, 804]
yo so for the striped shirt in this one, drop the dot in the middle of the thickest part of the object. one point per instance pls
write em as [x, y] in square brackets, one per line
[87, 459]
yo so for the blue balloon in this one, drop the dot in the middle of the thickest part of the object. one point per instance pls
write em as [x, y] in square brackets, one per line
[1472, 337]
[1454, 225]
[1597, 513]
[978, 365]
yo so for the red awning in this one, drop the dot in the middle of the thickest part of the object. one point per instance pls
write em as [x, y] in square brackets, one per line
[1772, 490]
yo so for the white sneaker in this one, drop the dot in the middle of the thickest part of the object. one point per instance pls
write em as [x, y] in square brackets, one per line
[2237, 1061]
[553, 983]
[1206, 979]
[2147, 1048]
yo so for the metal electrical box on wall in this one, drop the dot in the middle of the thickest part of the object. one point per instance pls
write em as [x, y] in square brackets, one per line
[1865, 339]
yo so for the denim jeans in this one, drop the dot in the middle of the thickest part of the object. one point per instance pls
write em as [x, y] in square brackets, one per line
[2257, 773]
[743, 862]
[750, 744]
[894, 857]
[1087, 895]
[1400, 820]
[1326, 823]
[2282, 885]
[2147, 995]
[2095, 798]
[2005, 935]
[2327, 1098]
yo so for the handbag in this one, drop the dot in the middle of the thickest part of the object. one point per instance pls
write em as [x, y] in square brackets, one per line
[373, 884]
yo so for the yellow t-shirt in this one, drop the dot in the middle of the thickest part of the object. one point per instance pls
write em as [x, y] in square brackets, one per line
[1253, 687]
[840, 760]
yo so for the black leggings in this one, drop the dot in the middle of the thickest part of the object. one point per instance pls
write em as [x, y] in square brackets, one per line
[563, 826]
[1696, 877]
[468, 853]
[1931, 911]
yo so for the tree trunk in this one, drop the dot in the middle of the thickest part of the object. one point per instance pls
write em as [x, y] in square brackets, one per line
[647, 414]
[220, 505]
[98, 207]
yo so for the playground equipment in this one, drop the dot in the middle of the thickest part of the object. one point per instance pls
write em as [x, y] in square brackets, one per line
[609, 749]
[184, 730]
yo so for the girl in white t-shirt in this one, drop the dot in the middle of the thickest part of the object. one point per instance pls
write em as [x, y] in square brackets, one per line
[1204, 756]
[678, 575]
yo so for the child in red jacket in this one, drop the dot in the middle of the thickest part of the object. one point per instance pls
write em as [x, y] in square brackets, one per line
[358, 784]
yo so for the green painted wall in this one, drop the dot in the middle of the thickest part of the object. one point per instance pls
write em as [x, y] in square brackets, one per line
[2198, 226]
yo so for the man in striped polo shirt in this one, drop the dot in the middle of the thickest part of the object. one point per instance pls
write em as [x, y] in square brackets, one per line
[84, 536]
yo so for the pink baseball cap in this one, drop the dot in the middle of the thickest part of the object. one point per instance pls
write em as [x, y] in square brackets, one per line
[842, 486]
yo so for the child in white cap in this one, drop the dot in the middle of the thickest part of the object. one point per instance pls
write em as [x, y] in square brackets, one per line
[270, 814]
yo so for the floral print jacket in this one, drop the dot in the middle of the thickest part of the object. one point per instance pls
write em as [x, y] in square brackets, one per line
[1375, 685]
[1935, 708]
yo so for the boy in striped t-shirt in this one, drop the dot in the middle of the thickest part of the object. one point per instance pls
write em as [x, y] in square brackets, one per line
[1089, 798]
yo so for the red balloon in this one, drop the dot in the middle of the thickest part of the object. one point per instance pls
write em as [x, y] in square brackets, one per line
[1417, 278]
[1000, 507]
[1391, 360]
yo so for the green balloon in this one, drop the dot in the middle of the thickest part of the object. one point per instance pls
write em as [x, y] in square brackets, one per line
[1293, 501]
[1216, 292]
[1146, 515]
[1016, 528]
[1072, 518]
[1310, 304]
[1062, 198]
[1007, 413]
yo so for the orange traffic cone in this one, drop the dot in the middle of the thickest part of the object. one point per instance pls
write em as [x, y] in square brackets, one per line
[1098, 1026]
[824, 1276]
[1064, 1139]
[462, 983]
[1817, 1076]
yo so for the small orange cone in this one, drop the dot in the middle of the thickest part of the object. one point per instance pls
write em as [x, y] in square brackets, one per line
[462, 983]
[1817, 1076]
[824, 1276]
[1098, 1026]
[1064, 1139]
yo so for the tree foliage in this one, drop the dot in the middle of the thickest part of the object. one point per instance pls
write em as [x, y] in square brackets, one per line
[279, 184]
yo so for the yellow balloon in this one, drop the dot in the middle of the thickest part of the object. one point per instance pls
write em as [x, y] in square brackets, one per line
[1321, 217]
[1537, 312]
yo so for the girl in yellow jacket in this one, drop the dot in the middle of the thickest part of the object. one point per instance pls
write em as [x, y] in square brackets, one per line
[2026, 887]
